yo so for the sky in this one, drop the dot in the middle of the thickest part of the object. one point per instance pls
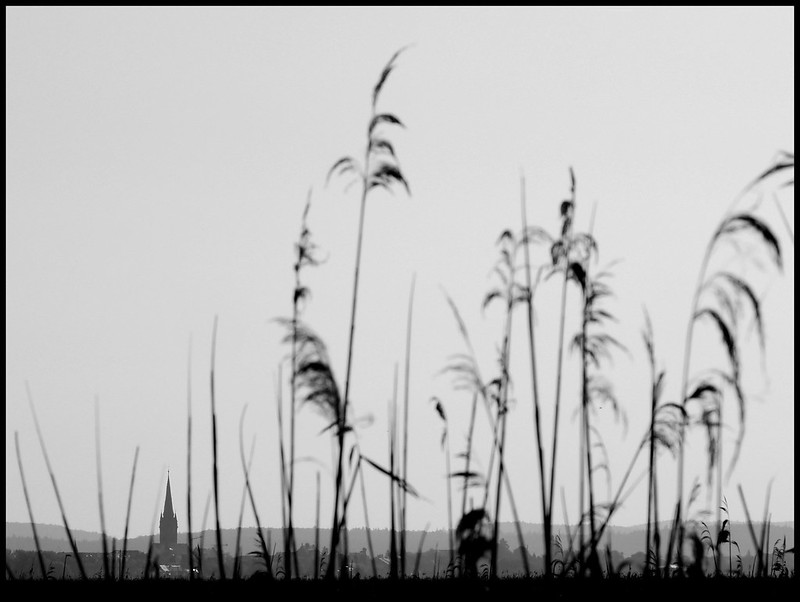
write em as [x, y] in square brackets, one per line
[158, 161]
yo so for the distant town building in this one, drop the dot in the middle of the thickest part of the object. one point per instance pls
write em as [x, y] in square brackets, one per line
[171, 557]
[168, 525]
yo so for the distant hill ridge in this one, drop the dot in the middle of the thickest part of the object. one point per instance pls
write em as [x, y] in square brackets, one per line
[626, 540]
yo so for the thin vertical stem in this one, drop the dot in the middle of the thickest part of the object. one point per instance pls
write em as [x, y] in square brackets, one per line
[552, 483]
[651, 462]
[593, 560]
[566, 236]
[450, 539]
[106, 572]
[189, 461]
[535, 386]
[284, 478]
[345, 401]
[502, 414]
[392, 429]
[316, 536]
[403, 492]
[469, 452]
[719, 486]
[220, 559]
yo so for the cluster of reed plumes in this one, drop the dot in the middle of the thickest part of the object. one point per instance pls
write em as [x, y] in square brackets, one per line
[720, 299]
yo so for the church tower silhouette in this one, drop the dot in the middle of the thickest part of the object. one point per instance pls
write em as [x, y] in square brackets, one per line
[168, 525]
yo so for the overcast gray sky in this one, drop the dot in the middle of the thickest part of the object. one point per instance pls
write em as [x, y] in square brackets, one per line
[158, 161]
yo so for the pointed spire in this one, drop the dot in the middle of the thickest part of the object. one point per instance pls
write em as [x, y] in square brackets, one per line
[169, 512]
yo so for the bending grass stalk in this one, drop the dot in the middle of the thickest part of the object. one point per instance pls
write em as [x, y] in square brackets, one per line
[547, 527]
[517, 526]
[106, 572]
[72, 543]
[765, 525]
[236, 559]
[249, 489]
[756, 541]
[200, 545]
[220, 560]
[149, 557]
[570, 543]
[366, 523]
[30, 511]
[784, 219]
[730, 224]
[419, 550]
[128, 517]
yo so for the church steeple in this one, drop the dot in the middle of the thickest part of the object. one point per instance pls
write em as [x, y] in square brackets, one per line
[168, 525]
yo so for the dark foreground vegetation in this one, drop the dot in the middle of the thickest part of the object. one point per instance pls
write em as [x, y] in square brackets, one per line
[688, 558]
[634, 588]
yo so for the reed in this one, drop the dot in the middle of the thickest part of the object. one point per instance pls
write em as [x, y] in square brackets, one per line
[189, 462]
[445, 444]
[528, 294]
[656, 387]
[380, 169]
[559, 253]
[30, 511]
[107, 575]
[404, 498]
[392, 445]
[714, 300]
[149, 557]
[128, 516]
[71, 539]
[510, 294]
[220, 560]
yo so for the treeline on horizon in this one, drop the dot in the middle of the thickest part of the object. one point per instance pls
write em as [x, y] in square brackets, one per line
[624, 540]
[687, 542]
